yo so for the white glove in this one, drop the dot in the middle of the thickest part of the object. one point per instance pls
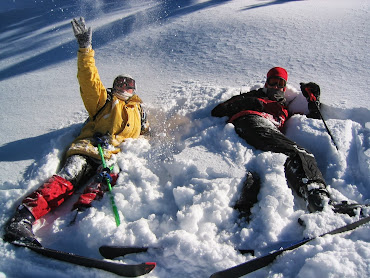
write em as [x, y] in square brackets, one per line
[82, 33]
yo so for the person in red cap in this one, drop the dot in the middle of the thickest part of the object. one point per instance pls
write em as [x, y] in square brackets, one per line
[258, 117]
[276, 75]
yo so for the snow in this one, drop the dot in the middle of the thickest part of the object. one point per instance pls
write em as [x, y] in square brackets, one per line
[176, 189]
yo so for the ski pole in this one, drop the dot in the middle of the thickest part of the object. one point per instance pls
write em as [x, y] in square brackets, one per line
[115, 210]
[313, 98]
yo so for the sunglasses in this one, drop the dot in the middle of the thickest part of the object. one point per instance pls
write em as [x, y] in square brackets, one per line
[124, 83]
[276, 81]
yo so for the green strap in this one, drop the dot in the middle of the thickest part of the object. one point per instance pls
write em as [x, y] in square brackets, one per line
[115, 210]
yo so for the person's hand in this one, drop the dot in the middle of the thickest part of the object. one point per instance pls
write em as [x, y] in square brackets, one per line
[219, 111]
[311, 91]
[82, 33]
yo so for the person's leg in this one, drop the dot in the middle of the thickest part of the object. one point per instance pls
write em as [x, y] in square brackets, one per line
[248, 195]
[19, 227]
[78, 169]
[304, 176]
[94, 190]
[301, 170]
[59, 187]
[47, 197]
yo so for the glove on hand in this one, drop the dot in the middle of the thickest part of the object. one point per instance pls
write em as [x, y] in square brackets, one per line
[311, 91]
[219, 111]
[82, 33]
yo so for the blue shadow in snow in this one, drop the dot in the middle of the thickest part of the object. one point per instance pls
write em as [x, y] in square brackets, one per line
[35, 147]
[25, 26]
[276, 2]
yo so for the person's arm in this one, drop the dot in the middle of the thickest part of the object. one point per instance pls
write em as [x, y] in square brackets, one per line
[93, 92]
[246, 101]
[311, 92]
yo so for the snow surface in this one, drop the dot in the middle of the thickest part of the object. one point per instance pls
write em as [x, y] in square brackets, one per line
[176, 189]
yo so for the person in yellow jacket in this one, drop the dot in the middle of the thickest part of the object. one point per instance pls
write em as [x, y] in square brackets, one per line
[114, 115]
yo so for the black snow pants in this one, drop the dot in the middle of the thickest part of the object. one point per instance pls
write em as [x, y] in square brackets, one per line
[300, 167]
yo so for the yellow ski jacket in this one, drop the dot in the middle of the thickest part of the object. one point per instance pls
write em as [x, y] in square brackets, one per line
[117, 121]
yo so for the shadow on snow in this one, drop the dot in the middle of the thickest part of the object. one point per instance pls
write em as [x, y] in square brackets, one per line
[28, 30]
[276, 2]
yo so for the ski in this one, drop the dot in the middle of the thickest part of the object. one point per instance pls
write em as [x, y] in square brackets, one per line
[114, 251]
[133, 270]
[260, 262]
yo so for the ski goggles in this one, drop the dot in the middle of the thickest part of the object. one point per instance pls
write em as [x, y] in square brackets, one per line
[124, 83]
[276, 81]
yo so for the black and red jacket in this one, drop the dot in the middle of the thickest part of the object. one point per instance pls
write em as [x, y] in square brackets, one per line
[267, 103]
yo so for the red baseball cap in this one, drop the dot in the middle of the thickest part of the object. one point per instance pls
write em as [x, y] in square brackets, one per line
[278, 72]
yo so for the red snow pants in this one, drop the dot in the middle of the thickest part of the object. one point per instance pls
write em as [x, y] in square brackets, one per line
[49, 196]
[76, 171]
[93, 191]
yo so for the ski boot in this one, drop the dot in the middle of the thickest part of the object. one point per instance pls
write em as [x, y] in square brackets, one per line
[19, 227]
[316, 199]
[248, 196]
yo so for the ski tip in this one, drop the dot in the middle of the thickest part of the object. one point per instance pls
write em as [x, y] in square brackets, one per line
[150, 266]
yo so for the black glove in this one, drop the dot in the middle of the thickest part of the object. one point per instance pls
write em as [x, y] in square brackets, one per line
[100, 139]
[82, 33]
[219, 111]
[311, 91]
